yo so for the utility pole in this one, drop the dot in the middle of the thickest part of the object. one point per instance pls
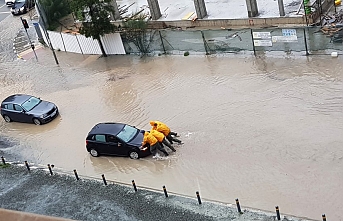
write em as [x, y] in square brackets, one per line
[26, 26]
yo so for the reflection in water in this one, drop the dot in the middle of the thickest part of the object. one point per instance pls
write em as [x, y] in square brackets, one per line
[267, 131]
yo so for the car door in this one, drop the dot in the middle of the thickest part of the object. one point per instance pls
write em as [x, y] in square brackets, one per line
[116, 147]
[13, 114]
[22, 116]
[99, 143]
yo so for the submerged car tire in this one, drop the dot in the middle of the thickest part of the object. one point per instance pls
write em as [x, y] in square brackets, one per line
[7, 118]
[36, 121]
[134, 155]
[94, 153]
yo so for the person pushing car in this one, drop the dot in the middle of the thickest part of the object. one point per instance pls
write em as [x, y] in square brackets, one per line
[154, 144]
[163, 128]
[162, 139]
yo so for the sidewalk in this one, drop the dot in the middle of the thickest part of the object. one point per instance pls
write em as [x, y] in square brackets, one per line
[61, 195]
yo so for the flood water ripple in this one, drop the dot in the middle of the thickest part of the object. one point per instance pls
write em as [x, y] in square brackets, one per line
[265, 130]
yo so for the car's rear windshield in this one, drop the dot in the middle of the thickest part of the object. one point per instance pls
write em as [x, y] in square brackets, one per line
[30, 103]
[127, 133]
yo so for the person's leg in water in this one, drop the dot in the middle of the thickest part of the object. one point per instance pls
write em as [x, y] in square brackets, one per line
[174, 134]
[171, 139]
[165, 142]
[153, 149]
[161, 148]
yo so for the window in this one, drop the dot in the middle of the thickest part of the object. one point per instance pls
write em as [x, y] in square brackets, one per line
[17, 107]
[100, 138]
[127, 133]
[111, 138]
[9, 106]
[30, 103]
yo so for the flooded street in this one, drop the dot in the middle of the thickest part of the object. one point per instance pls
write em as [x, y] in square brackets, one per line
[265, 130]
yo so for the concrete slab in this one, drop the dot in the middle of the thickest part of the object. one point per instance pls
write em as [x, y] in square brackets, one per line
[216, 9]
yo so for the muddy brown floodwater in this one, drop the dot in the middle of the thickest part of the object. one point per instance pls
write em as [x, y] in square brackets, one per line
[268, 131]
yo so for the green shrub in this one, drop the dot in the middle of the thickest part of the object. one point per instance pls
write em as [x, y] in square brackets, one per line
[4, 165]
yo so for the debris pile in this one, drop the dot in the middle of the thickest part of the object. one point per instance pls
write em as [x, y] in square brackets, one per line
[333, 26]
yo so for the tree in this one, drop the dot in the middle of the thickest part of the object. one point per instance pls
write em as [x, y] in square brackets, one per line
[135, 30]
[96, 19]
[54, 10]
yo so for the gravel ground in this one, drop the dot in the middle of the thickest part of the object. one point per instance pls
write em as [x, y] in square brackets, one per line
[61, 195]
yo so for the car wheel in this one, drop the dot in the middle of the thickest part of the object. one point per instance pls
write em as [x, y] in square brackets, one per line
[36, 121]
[7, 118]
[134, 155]
[94, 153]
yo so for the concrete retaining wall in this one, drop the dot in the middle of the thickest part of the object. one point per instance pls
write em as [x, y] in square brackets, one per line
[232, 23]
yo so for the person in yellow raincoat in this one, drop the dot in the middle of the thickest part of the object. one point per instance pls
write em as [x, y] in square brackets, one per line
[163, 128]
[150, 140]
[162, 139]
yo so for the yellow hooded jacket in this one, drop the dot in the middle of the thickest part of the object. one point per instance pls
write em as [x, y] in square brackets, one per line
[149, 138]
[158, 135]
[161, 127]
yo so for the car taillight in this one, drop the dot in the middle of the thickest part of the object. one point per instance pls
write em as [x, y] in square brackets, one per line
[86, 142]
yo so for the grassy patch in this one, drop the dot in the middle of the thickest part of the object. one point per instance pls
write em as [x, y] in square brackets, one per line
[4, 165]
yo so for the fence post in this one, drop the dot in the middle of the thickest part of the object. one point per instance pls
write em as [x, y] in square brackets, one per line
[63, 41]
[324, 217]
[3, 160]
[198, 196]
[277, 213]
[77, 177]
[305, 41]
[162, 42]
[78, 43]
[253, 43]
[27, 165]
[134, 185]
[165, 191]
[103, 178]
[238, 206]
[50, 169]
[205, 43]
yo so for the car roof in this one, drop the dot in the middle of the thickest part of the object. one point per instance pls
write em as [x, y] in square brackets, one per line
[17, 98]
[107, 128]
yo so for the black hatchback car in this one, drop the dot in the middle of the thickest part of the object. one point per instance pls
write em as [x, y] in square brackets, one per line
[116, 139]
[28, 109]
